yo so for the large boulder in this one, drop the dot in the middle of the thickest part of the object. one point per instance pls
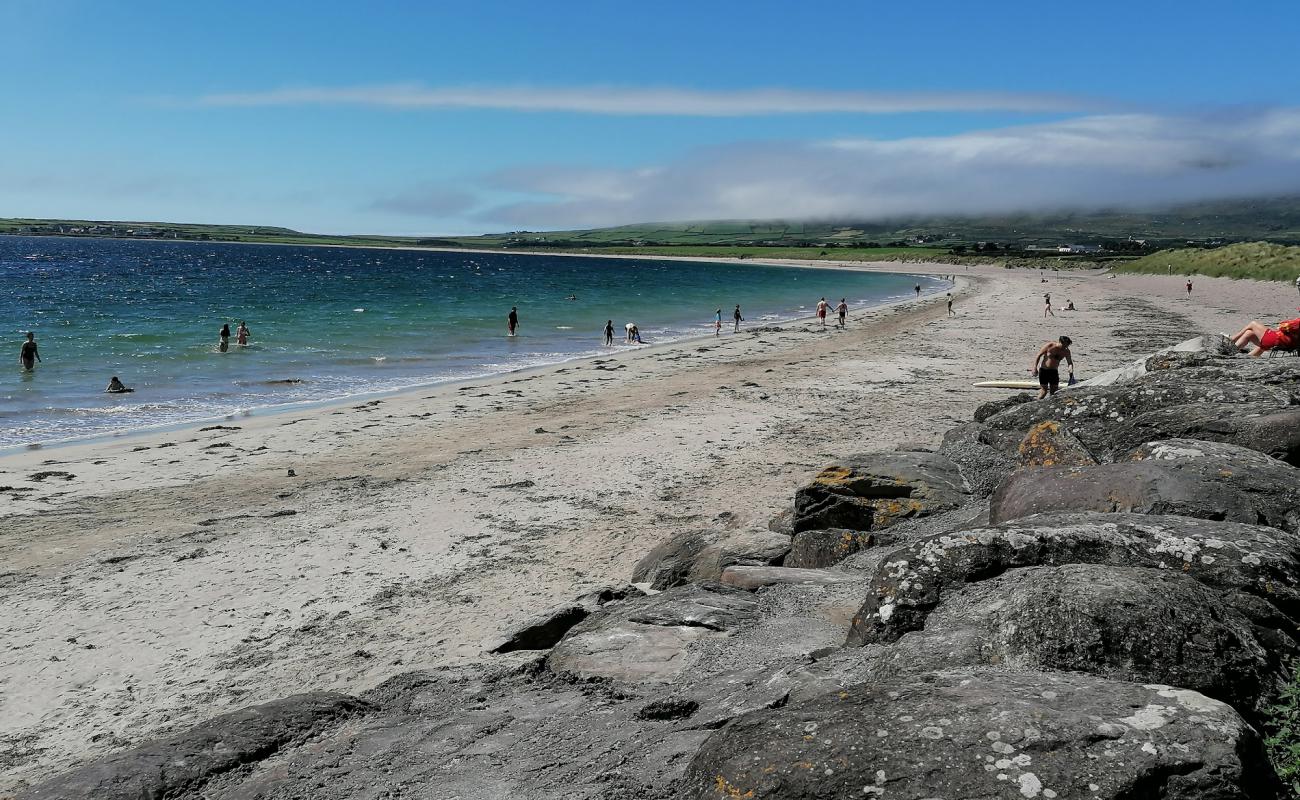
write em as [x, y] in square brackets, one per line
[826, 548]
[1095, 414]
[1048, 444]
[753, 578]
[545, 629]
[1273, 431]
[985, 734]
[1207, 488]
[876, 490]
[1227, 556]
[649, 639]
[698, 556]
[977, 451]
[1183, 449]
[183, 762]
[1125, 623]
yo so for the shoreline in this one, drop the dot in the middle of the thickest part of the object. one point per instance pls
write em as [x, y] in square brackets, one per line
[8, 451]
[157, 582]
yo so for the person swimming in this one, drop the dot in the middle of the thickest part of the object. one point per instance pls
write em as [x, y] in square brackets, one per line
[115, 386]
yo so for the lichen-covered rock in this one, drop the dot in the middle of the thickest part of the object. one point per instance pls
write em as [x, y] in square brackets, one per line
[1272, 431]
[1207, 488]
[648, 639]
[971, 446]
[1047, 444]
[1125, 623]
[187, 760]
[1094, 415]
[826, 548]
[1180, 449]
[987, 734]
[876, 490]
[910, 583]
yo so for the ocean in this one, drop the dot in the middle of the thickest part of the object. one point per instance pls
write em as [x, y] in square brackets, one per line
[332, 323]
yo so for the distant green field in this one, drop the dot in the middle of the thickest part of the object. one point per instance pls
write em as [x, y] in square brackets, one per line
[761, 253]
[1262, 261]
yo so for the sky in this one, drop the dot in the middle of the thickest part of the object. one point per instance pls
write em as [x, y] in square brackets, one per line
[427, 118]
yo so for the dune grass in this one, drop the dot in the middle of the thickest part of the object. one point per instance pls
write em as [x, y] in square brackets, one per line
[1262, 261]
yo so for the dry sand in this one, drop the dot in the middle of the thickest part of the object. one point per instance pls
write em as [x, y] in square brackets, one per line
[155, 580]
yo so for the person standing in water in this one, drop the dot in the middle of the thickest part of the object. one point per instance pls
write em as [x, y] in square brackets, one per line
[609, 333]
[843, 310]
[717, 324]
[512, 321]
[241, 334]
[822, 308]
[918, 289]
[29, 354]
[223, 343]
[735, 315]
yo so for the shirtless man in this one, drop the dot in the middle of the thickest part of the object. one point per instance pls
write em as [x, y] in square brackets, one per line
[1047, 365]
[609, 333]
[29, 355]
[822, 308]
[843, 310]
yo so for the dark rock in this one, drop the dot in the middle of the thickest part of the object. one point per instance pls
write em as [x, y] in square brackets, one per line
[992, 407]
[826, 548]
[670, 561]
[701, 556]
[876, 490]
[982, 734]
[1123, 623]
[753, 578]
[1206, 488]
[667, 709]
[1256, 560]
[1093, 414]
[783, 522]
[1181, 449]
[648, 639]
[1275, 432]
[542, 631]
[184, 762]
[983, 465]
[1047, 444]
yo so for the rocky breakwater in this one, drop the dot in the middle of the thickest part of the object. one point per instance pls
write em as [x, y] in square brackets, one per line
[1092, 596]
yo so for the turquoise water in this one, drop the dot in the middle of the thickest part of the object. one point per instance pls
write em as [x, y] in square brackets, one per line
[331, 323]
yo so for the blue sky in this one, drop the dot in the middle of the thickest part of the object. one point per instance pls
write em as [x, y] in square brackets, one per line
[430, 118]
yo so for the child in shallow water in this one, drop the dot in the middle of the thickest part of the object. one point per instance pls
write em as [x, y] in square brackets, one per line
[115, 386]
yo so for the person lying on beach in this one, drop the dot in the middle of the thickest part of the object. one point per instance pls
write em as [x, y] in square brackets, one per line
[1069, 306]
[1047, 365]
[115, 386]
[29, 354]
[1285, 337]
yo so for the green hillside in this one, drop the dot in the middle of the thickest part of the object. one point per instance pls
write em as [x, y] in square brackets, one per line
[1263, 261]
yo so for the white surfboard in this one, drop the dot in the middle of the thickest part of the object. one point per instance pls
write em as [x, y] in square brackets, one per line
[1006, 385]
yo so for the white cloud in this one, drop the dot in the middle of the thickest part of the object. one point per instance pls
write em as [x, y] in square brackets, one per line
[1125, 160]
[650, 101]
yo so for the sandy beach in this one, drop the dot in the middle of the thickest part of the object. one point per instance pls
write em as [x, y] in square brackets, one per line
[158, 579]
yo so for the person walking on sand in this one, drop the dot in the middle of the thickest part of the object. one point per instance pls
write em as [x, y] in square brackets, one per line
[1189, 288]
[1047, 365]
[609, 333]
[843, 310]
[717, 324]
[28, 354]
[735, 315]
[512, 321]
[223, 338]
[241, 334]
[822, 308]
[1047, 306]
[950, 311]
